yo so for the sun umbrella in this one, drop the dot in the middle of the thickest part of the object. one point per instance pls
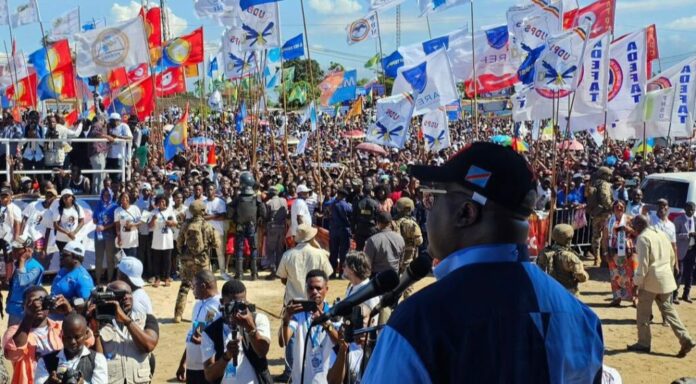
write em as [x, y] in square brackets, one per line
[371, 148]
[501, 139]
[354, 134]
[519, 145]
[201, 141]
[572, 145]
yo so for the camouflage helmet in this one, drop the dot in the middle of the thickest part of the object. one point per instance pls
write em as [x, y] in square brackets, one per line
[246, 179]
[405, 204]
[197, 208]
[604, 172]
[562, 234]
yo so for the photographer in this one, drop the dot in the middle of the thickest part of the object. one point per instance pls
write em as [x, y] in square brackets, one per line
[205, 311]
[349, 358]
[72, 281]
[36, 335]
[128, 339]
[297, 317]
[234, 347]
[74, 360]
[28, 272]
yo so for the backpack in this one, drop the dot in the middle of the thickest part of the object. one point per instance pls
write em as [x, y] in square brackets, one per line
[593, 207]
[194, 238]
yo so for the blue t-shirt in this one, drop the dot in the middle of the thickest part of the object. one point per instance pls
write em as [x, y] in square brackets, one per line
[73, 284]
[21, 280]
[104, 215]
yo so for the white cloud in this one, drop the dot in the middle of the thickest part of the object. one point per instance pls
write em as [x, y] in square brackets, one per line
[685, 23]
[335, 7]
[650, 5]
[177, 25]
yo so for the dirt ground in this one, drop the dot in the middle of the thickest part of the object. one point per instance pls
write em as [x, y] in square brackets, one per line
[661, 366]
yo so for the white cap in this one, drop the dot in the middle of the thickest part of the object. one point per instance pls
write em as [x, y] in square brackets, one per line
[303, 189]
[66, 191]
[146, 186]
[114, 116]
[133, 268]
[24, 179]
[75, 247]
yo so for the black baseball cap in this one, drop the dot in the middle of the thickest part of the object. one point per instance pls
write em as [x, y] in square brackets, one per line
[490, 170]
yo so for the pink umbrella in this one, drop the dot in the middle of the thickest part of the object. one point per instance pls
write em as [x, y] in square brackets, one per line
[371, 148]
[354, 134]
[573, 145]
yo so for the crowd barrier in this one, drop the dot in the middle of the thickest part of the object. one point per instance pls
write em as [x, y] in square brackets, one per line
[539, 224]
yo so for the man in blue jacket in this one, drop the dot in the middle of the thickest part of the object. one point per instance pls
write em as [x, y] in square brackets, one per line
[28, 272]
[508, 322]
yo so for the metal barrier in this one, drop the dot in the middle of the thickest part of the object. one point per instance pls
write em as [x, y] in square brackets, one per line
[580, 221]
[124, 170]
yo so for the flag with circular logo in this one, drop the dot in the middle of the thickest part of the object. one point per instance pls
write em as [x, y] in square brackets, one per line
[183, 50]
[363, 28]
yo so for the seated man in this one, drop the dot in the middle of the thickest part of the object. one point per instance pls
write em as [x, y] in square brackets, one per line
[87, 364]
[128, 339]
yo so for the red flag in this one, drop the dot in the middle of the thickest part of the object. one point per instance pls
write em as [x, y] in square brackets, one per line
[138, 73]
[16, 114]
[653, 50]
[26, 91]
[212, 157]
[71, 118]
[184, 50]
[601, 12]
[153, 29]
[170, 82]
[138, 99]
[58, 84]
[117, 78]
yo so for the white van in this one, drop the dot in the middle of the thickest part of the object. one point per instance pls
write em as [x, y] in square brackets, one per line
[678, 188]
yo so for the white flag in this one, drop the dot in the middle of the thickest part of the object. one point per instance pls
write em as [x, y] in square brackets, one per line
[65, 25]
[363, 28]
[458, 46]
[26, 14]
[381, 5]
[557, 68]
[121, 45]
[209, 8]
[237, 63]
[4, 13]
[261, 27]
[215, 101]
[436, 130]
[393, 118]
[431, 6]
[531, 25]
[431, 83]
[302, 145]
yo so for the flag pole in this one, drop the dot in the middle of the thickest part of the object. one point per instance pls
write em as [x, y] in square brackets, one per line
[427, 22]
[13, 77]
[44, 43]
[311, 79]
[381, 53]
[282, 86]
[475, 79]
[158, 134]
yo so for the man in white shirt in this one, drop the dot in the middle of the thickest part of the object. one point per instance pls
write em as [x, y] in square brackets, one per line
[117, 150]
[215, 214]
[685, 225]
[10, 216]
[299, 214]
[660, 221]
[74, 357]
[234, 347]
[197, 195]
[36, 220]
[205, 311]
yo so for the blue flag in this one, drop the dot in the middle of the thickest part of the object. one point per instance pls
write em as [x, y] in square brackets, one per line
[293, 48]
[244, 4]
[239, 120]
[346, 91]
[392, 63]
[212, 66]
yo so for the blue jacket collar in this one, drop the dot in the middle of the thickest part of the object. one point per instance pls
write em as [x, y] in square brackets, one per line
[489, 253]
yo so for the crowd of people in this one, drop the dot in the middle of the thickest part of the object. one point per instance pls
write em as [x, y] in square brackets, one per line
[332, 212]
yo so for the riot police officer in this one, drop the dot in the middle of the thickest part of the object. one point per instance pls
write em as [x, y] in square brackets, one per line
[246, 212]
[365, 217]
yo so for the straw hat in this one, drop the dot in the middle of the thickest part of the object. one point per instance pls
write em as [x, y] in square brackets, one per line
[305, 233]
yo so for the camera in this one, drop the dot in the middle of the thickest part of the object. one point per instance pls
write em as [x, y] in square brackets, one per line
[100, 297]
[234, 307]
[352, 323]
[48, 303]
[69, 376]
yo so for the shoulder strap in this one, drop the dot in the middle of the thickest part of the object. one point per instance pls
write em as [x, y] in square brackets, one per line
[215, 332]
[260, 364]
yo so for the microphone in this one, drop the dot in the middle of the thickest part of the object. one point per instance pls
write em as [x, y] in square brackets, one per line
[382, 283]
[418, 269]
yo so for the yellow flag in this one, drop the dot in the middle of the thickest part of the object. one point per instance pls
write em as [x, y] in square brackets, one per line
[191, 70]
[356, 109]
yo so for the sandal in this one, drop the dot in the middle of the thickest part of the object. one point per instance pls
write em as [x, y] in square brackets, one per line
[167, 282]
[156, 284]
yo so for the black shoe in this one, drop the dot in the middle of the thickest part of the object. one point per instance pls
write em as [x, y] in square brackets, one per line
[615, 303]
[638, 348]
[686, 348]
[271, 276]
[675, 301]
[284, 378]
[686, 299]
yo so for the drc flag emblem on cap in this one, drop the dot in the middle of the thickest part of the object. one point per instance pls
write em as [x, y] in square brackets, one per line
[478, 176]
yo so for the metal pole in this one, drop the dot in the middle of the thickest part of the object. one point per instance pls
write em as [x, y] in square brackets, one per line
[475, 79]
[381, 53]
[311, 79]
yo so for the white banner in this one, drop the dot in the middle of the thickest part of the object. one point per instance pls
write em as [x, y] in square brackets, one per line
[65, 25]
[261, 27]
[121, 45]
[458, 46]
[209, 8]
[393, 118]
[26, 14]
[436, 131]
[431, 6]
[362, 29]
[4, 13]
[237, 63]
[557, 68]
[381, 5]
[531, 25]
[431, 83]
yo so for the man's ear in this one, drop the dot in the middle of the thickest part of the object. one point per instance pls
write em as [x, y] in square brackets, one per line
[467, 214]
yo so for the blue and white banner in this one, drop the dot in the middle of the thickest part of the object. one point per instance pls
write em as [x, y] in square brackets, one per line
[363, 28]
[436, 130]
[381, 5]
[431, 6]
[392, 63]
[261, 27]
[559, 64]
[531, 25]
[457, 44]
[293, 48]
[393, 118]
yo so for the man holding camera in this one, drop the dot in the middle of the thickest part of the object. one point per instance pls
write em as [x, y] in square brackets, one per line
[127, 338]
[28, 272]
[297, 319]
[234, 347]
[36, 335]
[74, 361]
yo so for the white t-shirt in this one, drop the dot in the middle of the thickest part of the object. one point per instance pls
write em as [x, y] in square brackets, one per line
[244, 372]
[665, 226]
[117, 149]
[180, 214]
[204, 312]
[9, 215]
[299, 208]
[69, 220]
[129, 239]
[163, 236]
[36, 216]
[141, 302]
[216, 206]
[320, 353]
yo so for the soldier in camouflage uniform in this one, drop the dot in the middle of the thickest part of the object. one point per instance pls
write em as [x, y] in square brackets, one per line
[196, 239]
[599, 207]
[409, 229]
[560, 262]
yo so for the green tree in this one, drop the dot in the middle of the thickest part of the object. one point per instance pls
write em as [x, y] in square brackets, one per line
[334, 66]
[302, 70]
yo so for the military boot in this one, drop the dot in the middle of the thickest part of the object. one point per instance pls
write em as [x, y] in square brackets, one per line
[254, 270]
[239, 269]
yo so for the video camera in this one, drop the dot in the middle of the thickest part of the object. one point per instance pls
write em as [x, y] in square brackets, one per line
[234, 307]
[69, 376]
[101, 297]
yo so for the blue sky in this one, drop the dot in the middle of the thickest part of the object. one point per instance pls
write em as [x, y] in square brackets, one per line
[327, 19]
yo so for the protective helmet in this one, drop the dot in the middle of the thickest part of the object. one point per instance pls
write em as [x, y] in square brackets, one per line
[247, 179]
[197, 208]
[247, 190]
[405, 205]
[562, 234]
[604, 172]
